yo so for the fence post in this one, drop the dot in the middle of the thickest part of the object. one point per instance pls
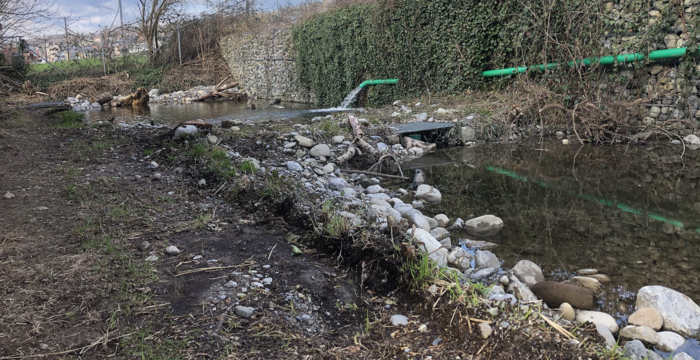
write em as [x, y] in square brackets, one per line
[179, 50]
[104, 66]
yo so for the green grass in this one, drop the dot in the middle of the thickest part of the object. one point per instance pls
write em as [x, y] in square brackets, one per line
[148, 152]
[69, 119]
[247, 167]
[146, 345]
[89, 62]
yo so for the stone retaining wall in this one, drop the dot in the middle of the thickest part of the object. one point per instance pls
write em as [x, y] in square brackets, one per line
[263, 64]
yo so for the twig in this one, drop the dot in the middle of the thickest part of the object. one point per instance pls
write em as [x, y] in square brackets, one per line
[375, 174]
[67, 351]
[270, 254]
[558, 327]
[194, 271]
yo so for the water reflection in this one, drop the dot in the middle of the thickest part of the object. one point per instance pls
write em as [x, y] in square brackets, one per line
[214, 112]
[629, 211]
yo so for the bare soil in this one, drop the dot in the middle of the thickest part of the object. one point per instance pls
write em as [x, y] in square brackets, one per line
[75, 279]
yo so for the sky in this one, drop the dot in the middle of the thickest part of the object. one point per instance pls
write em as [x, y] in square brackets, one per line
[89, 15]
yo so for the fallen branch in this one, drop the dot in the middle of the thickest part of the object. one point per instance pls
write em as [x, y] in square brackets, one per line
[558, 327]
[408, 143]
[348, 154]
[216, 91]
[216, 268]
[375, 174]
[361, 143]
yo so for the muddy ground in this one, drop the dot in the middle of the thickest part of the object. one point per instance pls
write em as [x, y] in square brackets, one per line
[84, 272]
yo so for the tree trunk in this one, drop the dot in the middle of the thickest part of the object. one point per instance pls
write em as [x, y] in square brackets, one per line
[408, 143]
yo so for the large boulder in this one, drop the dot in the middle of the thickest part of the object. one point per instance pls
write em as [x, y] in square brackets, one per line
[528, 272]
[486, 225]
[415, 217]
[428, 193]
[680, 313]
[427, 244]
[555, 293]
[598, 318]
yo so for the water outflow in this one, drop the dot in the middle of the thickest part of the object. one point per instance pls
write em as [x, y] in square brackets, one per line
[351, 96]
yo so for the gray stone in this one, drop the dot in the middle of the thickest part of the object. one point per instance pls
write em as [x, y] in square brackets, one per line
[384, 212]
[338, 139]
[172, 250]
[635, 350]
[596, 317]
[588, 283]
[442, 220]
[605, 332]
[644, 334]
[460, 259]
[153, 165]
[320, 150]
[486, 330]
[185, 130]
[486, 259]
[482, 274]
[587, 271]
[439, 233]
[375, 189]
[431, 222]
[669, 341]
[415, 217]
[427, 244]
[680, 313]
[337, 183]
[212, 140]
[329, 168]
[144, 245]
[528, 272]
[567, 312]
[202, 182]
[682, 356]
[428, 193]
[8, 195]
[486, 225]
[520, 290]
[244, 311]
[467, 134]
[304, 141]
[417, 204]
[458, 224]
[399, 320]
[555, 293]
[446, 243]
[294, 166]
[290, 145]
[378, 196]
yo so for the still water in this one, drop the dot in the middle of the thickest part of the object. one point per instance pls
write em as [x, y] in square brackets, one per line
[213, 112]
[633, 212]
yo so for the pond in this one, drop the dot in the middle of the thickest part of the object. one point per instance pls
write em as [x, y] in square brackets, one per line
[214, 112]
[632, 212]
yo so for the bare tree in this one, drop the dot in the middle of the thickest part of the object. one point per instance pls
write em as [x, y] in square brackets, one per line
[152, 12]
[20, 17]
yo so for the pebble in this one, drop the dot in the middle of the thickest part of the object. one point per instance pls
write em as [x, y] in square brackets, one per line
[153, 165]
[423, 328]
[486, 330]
[305, 317]
[202, 182]
[9, 195]
[266, 266]
[144, 245]
[152, 258]
[231, 284]
[244, 311]
[587, 271]
[212, 140]
[267, 281]
[172, 250]
[437, 341]
[399, 320]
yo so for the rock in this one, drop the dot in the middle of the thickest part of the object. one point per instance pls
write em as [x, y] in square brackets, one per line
[320, 150]
[482, 274]
[486, 225]
[635, 350]
[9, 195]
[202, 182]
[338, 139]
[337, 183]
[504, 280]
[375, 189]
[669, 341]
[294, 166]
[384, 212]
[487, 259]
[329, 168]
[595, 317]
[567, 312]
[682, 356]
[172, 250]
[212, 140]
[439, 233]
[458, 224]
[431, 222]
[153, 93]
[520, 290]
[528, 272]
[152, 258]
[680, 313]
[476, 244]
[588, 283]
[587, 271]
[399, 320]
[415, 217]
[442, 220]
[692, 141]
[647, 317]
[486, 330]
[144, 245]
[226, 124]
[153, 165]
[428, 193]
[555, 293]
[644, 334]
[290, 145]
[691, 347]
[605, 332]
[604, 279]
[304, 141]
[382, 147]
[185, 130]
[460, 259]
[427, 244]
[417, 204]
[244, 311]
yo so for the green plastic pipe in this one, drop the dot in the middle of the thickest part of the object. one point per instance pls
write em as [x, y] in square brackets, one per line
[607, 202]
[378, 82]
[605, 60]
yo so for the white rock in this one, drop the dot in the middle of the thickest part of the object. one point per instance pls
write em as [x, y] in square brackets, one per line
[417, 204]
[680, 313]
[487, 259]
[294, 166]
[596, 317]
[669, 341]
[290, 145]
[320, 150]
[338, 139]
[486, 225]
[202, 182]
[374, 189]
[692, 141]
[528, 272]
[153, 165]
[172, 250]
[458, 224]
[431, 222]
[605, 332]
[442, 220]
[185, 130]
[337, 184]
[212, 140]
[428, 193]
[153, 93]
[439, 233]
[399, 320]
[329, 168]
[682, 356]
[304, 141]
[415, 217]
[644, 334]
[427, 244]
[9, 195]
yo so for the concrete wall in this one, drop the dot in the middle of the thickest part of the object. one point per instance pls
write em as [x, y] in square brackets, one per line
[263, 64]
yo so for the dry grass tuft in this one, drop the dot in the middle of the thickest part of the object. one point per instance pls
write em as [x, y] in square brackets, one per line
[113, 84]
